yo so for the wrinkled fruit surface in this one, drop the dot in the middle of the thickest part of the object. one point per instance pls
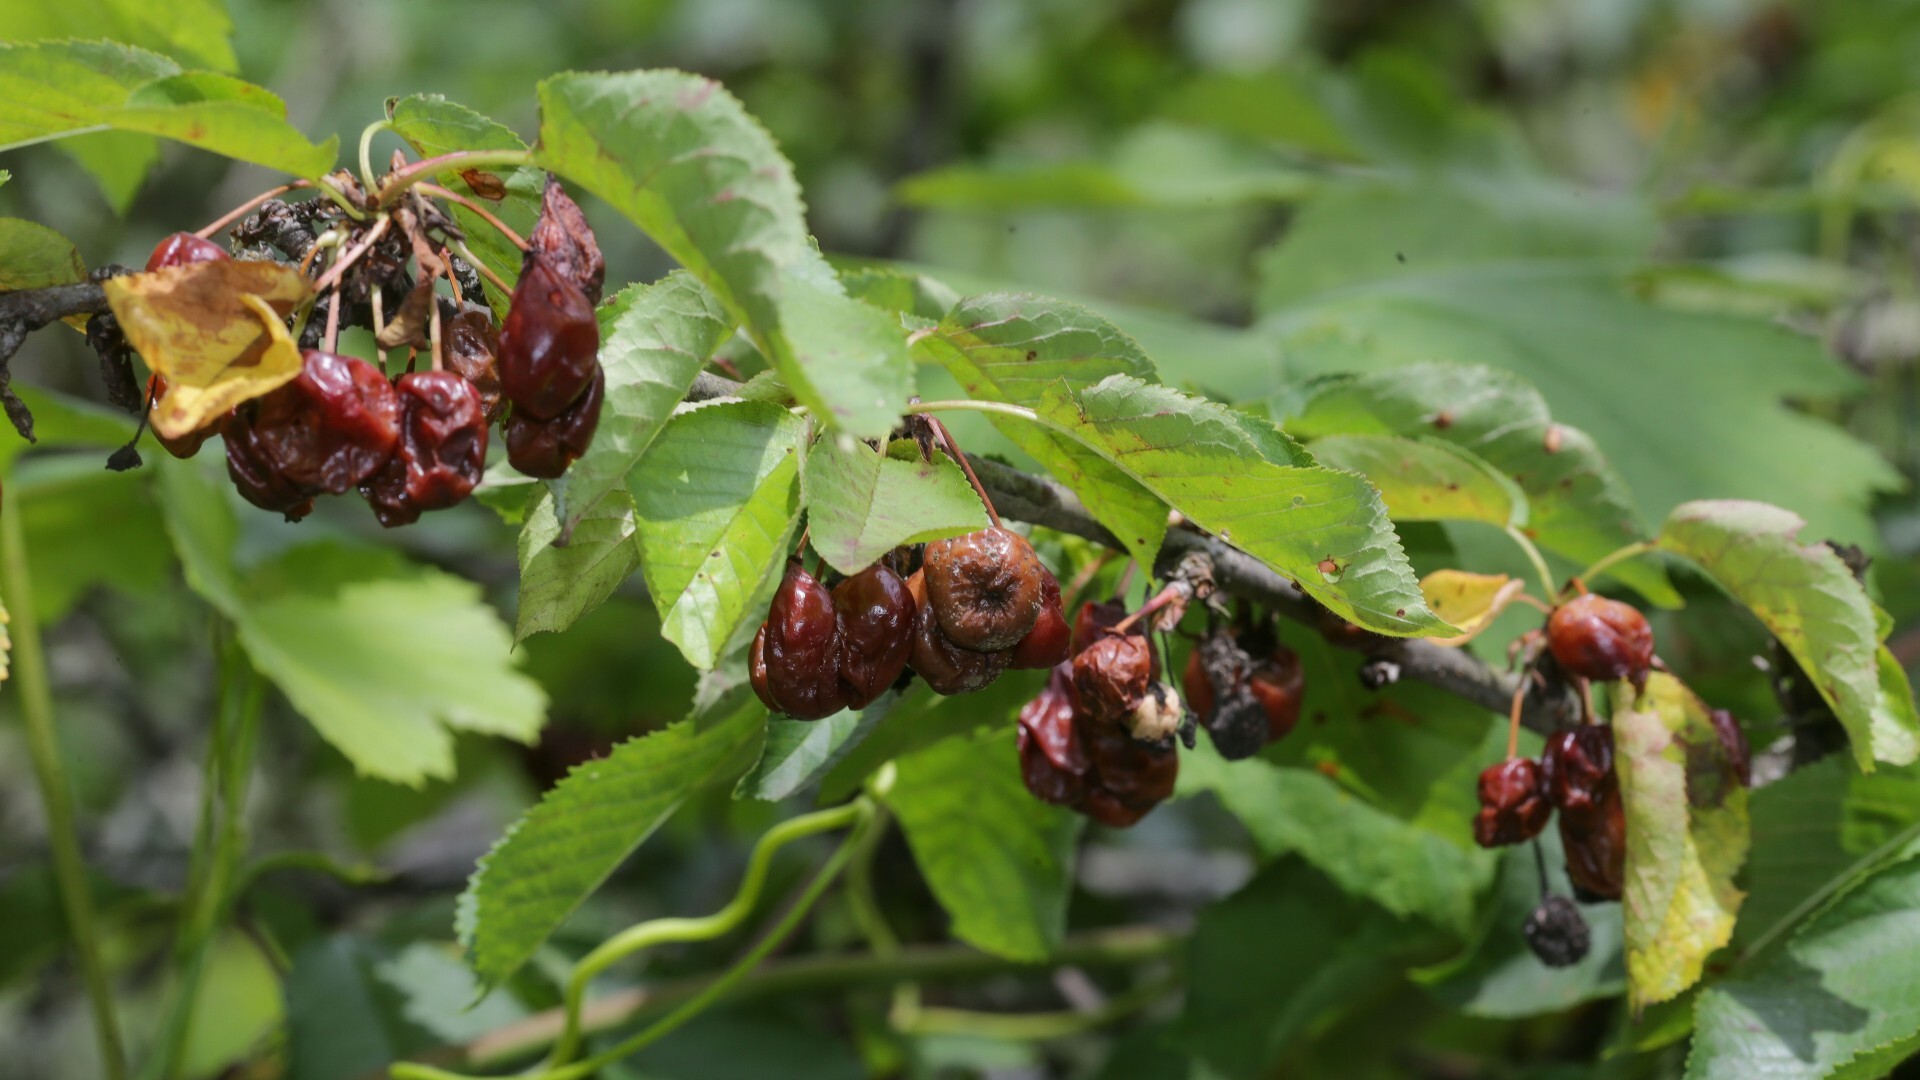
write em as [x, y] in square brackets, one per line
[876, 611]
[798, 649]
[1112, 676]
[947, 668]
[1243, 705]
[544, 448]
[1069, 759]
[1092, 620]
[1046, 644]
[1557, 932]
[1513, 804]
[550, 343]
[258, 481]
[332, 427]
[1597, 638]
[563, 241]
[1577, 767]
[984, 587]
[1052, 764]
[183, 248]
[442, 451]
[472, 349]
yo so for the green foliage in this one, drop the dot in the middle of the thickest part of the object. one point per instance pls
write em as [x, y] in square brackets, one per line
[559, 584]
[32, 255]
[1425, 479]
[862, 504]
[799, 752]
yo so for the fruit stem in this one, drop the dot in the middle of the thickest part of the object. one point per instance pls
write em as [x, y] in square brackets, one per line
[433, 330]
[1533, 556]
[244, 208]
[352, 255]
[1513, 720]
[952, 448]
[333, 322]
[43, 746]
[1616, 557]
[1174, 590]
[460, 248]
[1540, 866]
[482, 212]
[402, 179]
[366, 149]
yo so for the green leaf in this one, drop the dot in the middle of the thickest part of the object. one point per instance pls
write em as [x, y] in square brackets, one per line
[343, 1021]
[861, 504]
[191, 31]
[560, 584]
[921, 296]
[1687, 835]
[386, 660]
[85, 527]
[1427, 479]
[1011, 348]
[433, 126]
[682, 159]
[1811, 602]
[118, 160]
[799, 752]
[1577, 504]
[998, 860]
[32, 256]
[205, 531]
[1405, 868]
[715, 509]
[653, 340]
[1235, 476]
[568, 844]
[54, 89]
[1840, 991]
[1797, 851]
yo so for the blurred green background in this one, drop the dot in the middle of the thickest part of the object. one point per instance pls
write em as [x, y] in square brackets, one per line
[1689, 222]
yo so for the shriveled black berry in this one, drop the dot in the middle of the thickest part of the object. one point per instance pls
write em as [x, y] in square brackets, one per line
[1557, 933]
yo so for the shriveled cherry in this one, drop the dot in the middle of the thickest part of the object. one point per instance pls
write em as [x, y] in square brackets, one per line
[1597, 638]
[1513, 804]
[472, 346]
[1278, 684]
[562, 239]
[1595, 840]
[1092, 620]
[876, 613]
[544, 448]
[256, 478]
[550, 343]
[1046, 644]
[442, 451]
[1112, 676]
[1557, 932]
[1133, 777]
[332, 427]
[948, 668]
[802, 648]
[984, 587]
[184, 248]
[1577, 767]
[1052, 764]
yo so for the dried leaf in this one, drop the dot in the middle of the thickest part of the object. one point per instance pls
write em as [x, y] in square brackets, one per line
[563, 239]
[216, 330]
[408, 326]
[484, 184]
[1467, 600]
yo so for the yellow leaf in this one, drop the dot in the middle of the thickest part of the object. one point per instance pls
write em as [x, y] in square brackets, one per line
[1468, 601]
[216, 330]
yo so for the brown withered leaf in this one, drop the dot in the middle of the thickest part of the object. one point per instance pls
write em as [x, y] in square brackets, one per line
[216, 330]
[471, 341]
[484, 184]
[562, 238]
[408, 326]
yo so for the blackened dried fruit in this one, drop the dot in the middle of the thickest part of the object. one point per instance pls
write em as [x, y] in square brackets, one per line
[1243, 704]
[1556, 932]
[802, 648]
[184, 248]
[562, 239]
[472, 346]
[1734, 742]
[544, 448]
[948, 668]
[550, 343]
[876, 612]
[333, 426]
[1046, 644]
[1112, 676]
[186, 445]
[1052, 764]
[984, 587]
[1597, 638]
[442, 451]
[1513, 804]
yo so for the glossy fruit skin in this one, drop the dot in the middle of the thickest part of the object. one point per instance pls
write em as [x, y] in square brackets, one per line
[442, 451]
[876, 612]
[1513, 804]
[1112, 676]
[472, 351]
[757, 670]
[549, 345]
[984, 587]
[1577, 769]
[545, 448]
[333, 426]
[186, 445]
[183, 249]
[947, 668]
[1070, 759]
[1046, 644]
[1601, 639]
[802, 648]
[1052, 763]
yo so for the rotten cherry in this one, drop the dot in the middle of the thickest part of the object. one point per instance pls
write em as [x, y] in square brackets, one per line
[442, 449]
[799, 647]
[545, 448]
[1597, 638]
[876, 612]
[1046, 644]
[550, 343]
[1513, 804]
[947, 668]
[985, 588]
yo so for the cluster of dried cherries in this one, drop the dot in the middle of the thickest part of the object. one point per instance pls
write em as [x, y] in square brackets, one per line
[417, 441]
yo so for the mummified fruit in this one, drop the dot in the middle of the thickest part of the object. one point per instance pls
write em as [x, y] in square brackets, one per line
[1093, 620]
[1556, 932]
[184, 248]
[332, 427]
[544, 448]
[562, 239]
[472, 346]
[186, 445]
[1046, 644]
[258, 481]
[1577, 769]
[1513, 804]
[442, 451]
[876, 613]
[800, 647]
[1070, 759]
[550, 343]
[984, 587]
[948, 668]
[1052, 764]
[1261, 702]
[1597, 638]
[1133, 777]
[1112, 676]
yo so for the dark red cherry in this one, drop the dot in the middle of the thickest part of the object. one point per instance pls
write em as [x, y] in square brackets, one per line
[1595, 839]
[1093, 619]
[183, 248]
[802, 647]
[545, 448]
[757, 670]
[472, 351]
[442, 451]
[1046, 644]
[1597, 638]
[1577, 767]
[549, 345]
[984, 587]
[1112, 676]
[1052, 764]
[876, 612]
[1279, 684]
[1513, 804]
[332, 427]
[947, 668]
[257, 480]
[1133, 777]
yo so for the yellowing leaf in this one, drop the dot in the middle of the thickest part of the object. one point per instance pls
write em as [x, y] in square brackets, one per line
[1467, 600]
[216, 330]
[1687, 836]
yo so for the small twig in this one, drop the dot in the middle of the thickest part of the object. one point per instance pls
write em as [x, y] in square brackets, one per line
[952, 448]
[484, 214]
[244, 208]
